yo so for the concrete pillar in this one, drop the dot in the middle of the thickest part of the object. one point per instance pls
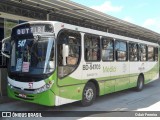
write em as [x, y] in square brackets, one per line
[48, 16]
[3, 81]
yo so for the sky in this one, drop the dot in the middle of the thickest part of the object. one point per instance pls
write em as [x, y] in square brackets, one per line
[145, 13]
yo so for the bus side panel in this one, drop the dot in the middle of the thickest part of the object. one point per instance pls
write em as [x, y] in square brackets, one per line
[110, 86]
[134, 73]
[133, 80]
[73, 92]
[159, 60]
[121, 75]
[147, 74]
[95, 71]
[153, 72]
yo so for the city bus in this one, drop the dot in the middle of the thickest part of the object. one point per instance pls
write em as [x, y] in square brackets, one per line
[53, 63]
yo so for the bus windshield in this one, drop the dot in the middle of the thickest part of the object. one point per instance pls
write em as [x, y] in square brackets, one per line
[32, 56]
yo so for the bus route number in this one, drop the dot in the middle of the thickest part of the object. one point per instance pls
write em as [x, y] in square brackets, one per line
[30, 84]
[92, 67]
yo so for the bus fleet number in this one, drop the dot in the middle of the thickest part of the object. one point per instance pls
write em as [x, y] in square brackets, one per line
[92, 67]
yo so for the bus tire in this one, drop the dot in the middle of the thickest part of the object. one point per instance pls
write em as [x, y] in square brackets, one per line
[89, 94]
[140, 83]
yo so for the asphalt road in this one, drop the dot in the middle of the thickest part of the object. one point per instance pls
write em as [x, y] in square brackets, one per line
[127, 100]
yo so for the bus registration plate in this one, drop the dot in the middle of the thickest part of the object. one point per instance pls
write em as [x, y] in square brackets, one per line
[22, 95]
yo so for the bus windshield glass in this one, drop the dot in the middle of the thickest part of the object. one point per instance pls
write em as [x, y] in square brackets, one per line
[32, 56]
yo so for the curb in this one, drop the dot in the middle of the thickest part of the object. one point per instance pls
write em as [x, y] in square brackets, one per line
[5, 99]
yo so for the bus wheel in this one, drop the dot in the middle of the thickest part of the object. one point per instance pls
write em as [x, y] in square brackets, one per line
[140, 83]
[89, 94]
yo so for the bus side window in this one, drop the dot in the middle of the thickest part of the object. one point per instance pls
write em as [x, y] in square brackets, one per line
[133, 52]
[150, 53]
[156, 54]
[121, 50]
[92, 47]
[73, 40]
[143, 52]
[107, 49]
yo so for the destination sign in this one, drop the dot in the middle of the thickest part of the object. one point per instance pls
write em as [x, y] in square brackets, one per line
[35, 29]
[28, 29]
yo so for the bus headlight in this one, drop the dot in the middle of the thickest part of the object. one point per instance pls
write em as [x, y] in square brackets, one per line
[10, 85]
[43, 88]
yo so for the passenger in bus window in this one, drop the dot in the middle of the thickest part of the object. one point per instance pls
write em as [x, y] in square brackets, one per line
[94, 54]
[72, 59]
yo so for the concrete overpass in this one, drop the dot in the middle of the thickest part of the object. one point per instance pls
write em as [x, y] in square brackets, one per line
[71, 12]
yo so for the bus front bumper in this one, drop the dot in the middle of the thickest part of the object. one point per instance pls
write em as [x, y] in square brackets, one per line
[46, 98]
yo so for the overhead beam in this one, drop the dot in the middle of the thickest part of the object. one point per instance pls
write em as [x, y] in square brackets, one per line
[73, 13]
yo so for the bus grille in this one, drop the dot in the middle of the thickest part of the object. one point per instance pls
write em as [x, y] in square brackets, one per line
[28, 97]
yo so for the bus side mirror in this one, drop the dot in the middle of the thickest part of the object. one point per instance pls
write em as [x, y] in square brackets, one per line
[65, 53]
[6, 47]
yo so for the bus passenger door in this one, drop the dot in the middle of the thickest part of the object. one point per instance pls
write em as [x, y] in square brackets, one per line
[69, 66]
[69, 55]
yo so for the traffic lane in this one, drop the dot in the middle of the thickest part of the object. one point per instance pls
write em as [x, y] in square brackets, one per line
[119, 101]
[130, 99]
[5, 99]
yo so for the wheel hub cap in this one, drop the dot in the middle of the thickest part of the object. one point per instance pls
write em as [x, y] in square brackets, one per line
[89, 94]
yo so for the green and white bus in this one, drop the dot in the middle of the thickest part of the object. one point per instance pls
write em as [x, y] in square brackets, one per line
[54, 63]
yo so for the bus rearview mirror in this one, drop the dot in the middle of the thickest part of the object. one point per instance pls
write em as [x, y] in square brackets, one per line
[6, 47]
[65, 53]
